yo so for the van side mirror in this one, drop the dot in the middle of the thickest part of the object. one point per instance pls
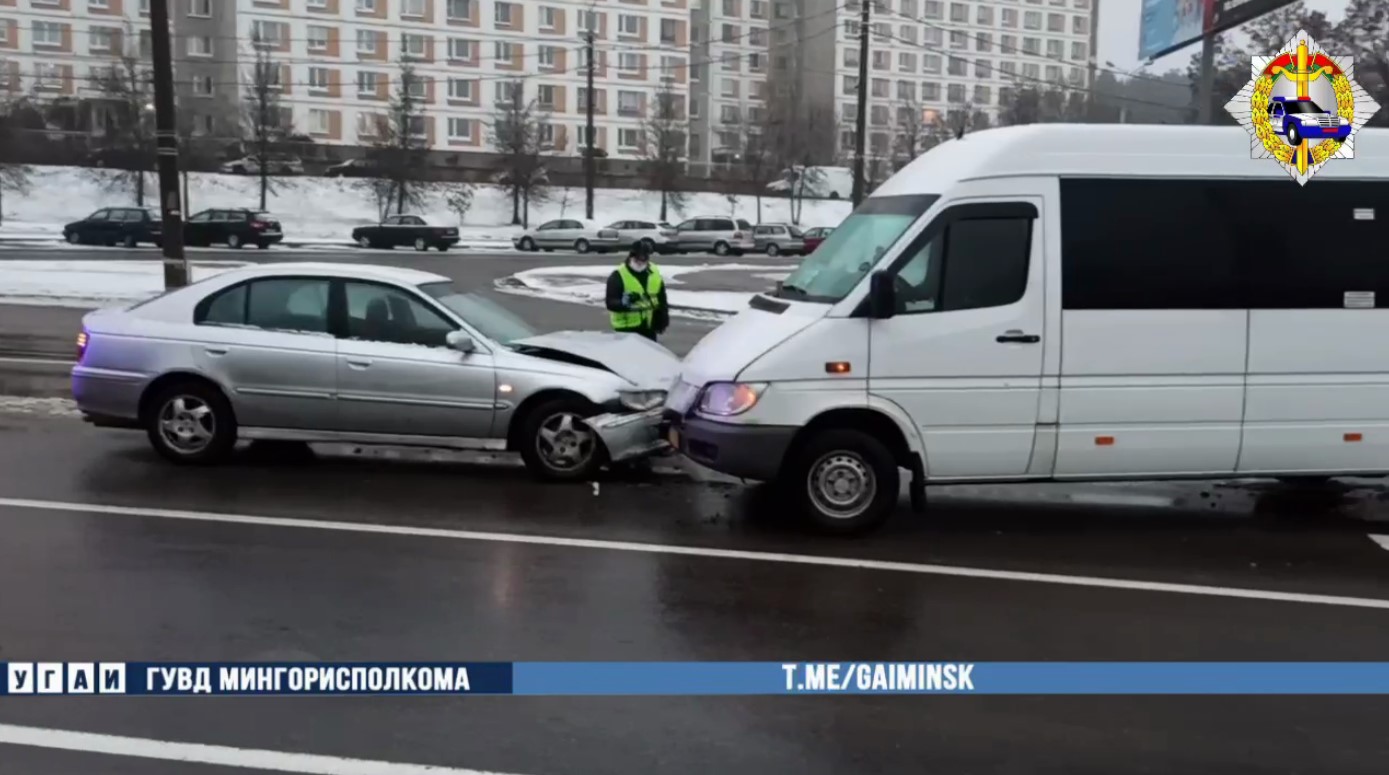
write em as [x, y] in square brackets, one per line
[882, 295]
[457, 340]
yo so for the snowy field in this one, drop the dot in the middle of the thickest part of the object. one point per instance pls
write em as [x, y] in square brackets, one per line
[317, 210]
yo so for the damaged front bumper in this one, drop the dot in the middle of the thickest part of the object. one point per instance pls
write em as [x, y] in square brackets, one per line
[629, 435]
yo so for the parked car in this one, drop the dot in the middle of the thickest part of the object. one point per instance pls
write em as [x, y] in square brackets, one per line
[716, 234]
[352, 168]
[310, 352]
[659, 237]
[400, 230]
[566, 233]
[234, 228]
[278, 165]
[813, 237]
[777, 238]
[128, 226]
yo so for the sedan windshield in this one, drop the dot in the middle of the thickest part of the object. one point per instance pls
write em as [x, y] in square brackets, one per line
[852, 250]
[489, 318]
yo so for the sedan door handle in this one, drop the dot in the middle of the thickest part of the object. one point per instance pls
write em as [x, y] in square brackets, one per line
[216, 351]
[358, 363]
[1017, 337]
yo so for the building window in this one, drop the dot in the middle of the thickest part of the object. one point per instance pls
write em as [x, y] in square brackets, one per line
[757, 9]
[366, 42]
[366, 6]
[955, 93]
[850, 84]
[1079, 51]
[550, 18]
[507, 91]
[1080, 25]
[1032, 20]
[369, 124]
[981, 95]
[730, 88]
[880, 87]
[202, 86]
[983, 42]
[729, 33]
[48, 34]
[318, 80]
[367, 83]
[757, 62]
[628, 24]
[319, 122]
[730, 7]
[957, 67]
[668, 30]
[1056, 22]
[982, 68]
[412, 46]
[318, 39]
[959, 39]
[628, 138]
[1010, 17]
[930, 92]
[460, 48]
[906, 91]
[628, 103]
[47, 75]
[1032, 46]
[412, 9]
[199, 8]
[99, 39]
[628, 62]
[728, 114]
[588, 21]
[460, 10]
[1054, 49]
[460, 129]
[417, 126]
[417, 86]
[92, 5]
[503, 14]
[959, 12]
[907, 33]
[930, 63]
[878, 115]
[268, 34]
[548, 56]
[200, 46]
[906, 62]
[503, 51]
[545, 96]
[460, 89]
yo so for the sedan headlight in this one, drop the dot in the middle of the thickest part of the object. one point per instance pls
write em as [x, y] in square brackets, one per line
[726, 399]
[641, 400]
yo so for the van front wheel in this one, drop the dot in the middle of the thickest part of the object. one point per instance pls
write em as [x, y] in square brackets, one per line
[845, 481]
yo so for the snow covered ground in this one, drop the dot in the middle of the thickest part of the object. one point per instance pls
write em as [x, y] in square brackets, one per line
[90, 284]
[587, 285]
[319, 210]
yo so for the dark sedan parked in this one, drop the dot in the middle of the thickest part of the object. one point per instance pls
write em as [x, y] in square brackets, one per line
[401, 230]
[128, 226]
[233, 228]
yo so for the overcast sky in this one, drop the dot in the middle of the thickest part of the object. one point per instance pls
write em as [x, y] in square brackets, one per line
[1118, 39]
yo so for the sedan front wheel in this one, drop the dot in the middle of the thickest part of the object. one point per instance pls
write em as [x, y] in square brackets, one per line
[557, 445]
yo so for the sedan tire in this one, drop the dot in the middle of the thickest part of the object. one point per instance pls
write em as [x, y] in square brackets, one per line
[130, 241]
[191, 423]
[365, 243]
[421, 244]
[773, 249]
[527, 244]
[234, 241]
[581, 246]
[556, 445]
[73, 238]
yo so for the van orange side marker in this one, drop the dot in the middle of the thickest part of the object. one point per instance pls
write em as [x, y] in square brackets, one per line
[1104, 441]
[1352, 437]
[837, 367]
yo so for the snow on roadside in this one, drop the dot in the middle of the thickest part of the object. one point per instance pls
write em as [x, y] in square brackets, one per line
[588, 285]
[317, 209]
[90, 284]
[51, 407]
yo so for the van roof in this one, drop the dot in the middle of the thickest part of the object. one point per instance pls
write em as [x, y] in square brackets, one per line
[1115, 150]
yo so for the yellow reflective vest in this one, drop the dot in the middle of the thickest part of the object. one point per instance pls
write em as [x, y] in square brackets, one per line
[643, 313]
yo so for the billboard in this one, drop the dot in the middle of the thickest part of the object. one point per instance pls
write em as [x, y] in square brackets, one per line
[1169, 25]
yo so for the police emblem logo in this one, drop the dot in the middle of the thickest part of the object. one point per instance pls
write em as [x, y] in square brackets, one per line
[1302, 107]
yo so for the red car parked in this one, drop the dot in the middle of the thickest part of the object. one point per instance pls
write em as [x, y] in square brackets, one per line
[813, 237]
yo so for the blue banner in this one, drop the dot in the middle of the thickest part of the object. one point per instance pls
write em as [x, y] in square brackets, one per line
[1167, 25]
[591, 679]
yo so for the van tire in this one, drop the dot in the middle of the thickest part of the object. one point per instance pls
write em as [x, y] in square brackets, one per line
[721, 248]
[858, 462]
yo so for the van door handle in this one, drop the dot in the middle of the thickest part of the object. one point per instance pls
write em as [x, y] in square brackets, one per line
[216, 351]
[358, 363]
[1017, 337]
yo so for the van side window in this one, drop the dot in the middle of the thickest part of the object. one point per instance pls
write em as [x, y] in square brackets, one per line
[972, 264]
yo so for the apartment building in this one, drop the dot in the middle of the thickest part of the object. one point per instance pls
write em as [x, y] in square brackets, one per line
[55, 50]
[342, 62]
[731, 45]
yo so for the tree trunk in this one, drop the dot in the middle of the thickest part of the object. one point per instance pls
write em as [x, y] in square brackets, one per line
[400, 198]
[264, 183]
[515, 202]
[759, 205]
[186, 204]
[526, 213]
[663, 207]
[139, 188]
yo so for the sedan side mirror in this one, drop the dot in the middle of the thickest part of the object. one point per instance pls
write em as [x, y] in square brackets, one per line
[882, 295]
[457, 340]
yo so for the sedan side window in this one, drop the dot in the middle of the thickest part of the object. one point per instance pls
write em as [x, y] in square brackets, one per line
[202, 217]
[547, 226]
[225, 308]
[99, 215]
[293, 304]
[380, 313]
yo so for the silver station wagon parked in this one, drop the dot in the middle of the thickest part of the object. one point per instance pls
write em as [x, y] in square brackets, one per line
[366, 355]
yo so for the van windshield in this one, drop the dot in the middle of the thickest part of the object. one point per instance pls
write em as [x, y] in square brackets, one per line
[852, 250]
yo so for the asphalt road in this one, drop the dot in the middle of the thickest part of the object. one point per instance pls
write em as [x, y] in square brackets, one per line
[82, 585]
[94, 567]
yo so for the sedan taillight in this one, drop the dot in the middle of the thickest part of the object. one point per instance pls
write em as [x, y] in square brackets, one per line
[258, 225]
[81, 344]
[737, 235]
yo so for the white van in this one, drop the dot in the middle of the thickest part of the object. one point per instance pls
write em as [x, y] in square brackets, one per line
[1068, 302]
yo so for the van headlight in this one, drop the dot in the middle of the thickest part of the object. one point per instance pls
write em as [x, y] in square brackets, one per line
[725, 399]
[641, 400]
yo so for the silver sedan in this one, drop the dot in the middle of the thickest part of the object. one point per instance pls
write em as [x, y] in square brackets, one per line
[366, 355]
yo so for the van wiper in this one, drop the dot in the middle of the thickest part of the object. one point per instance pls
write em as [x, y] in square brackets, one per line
[791, 289]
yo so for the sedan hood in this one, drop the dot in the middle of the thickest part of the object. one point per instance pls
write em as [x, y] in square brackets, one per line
[635, 358]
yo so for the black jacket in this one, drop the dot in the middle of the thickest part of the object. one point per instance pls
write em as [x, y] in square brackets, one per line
[616, 302]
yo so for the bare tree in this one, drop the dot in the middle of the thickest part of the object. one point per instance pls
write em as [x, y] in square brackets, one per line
[266, 123]
[459, 199]
[399, 153]
[14, 175]
[754, 160]
[515, 130]
[664, 132]
[1032, 105]
[1364, 34]
[126, 91]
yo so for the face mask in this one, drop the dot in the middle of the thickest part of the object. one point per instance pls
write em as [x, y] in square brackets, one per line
[637, 265]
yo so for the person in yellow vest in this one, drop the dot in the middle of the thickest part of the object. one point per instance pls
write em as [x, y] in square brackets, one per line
[636, 296]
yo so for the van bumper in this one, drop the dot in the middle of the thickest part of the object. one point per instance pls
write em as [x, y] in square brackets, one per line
[746, 451]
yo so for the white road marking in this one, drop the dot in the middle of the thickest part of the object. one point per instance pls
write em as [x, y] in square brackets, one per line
[1382, 540]
[1119, 499]
[38, 361]
[710, 552]
[226, 756]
